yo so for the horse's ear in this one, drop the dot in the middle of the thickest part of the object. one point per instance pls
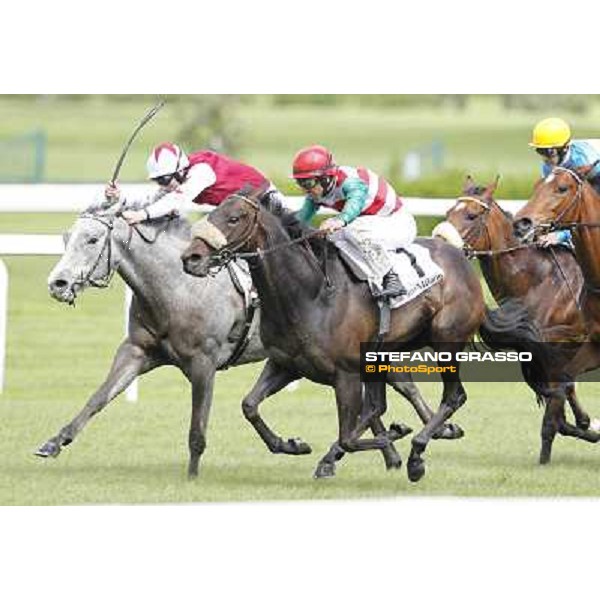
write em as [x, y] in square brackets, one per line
[492, 187]
[468, 184]
[246, 191]
[261, 190]
[253, 192]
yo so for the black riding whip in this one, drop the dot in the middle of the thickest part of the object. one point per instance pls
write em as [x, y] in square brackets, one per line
[149, 115]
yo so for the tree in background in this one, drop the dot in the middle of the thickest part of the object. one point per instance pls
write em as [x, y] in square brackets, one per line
[209, 121]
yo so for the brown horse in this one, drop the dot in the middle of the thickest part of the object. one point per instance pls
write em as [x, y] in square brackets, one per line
[547, 280]
[315, 314]
[565, 199]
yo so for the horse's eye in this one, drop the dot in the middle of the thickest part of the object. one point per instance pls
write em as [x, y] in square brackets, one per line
[471, 216]
[563, 188]
[233, 220]
[92, 240]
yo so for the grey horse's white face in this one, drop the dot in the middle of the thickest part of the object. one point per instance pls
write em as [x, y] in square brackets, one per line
[85, 260]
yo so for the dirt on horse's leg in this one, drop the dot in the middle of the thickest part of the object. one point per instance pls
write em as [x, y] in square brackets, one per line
[130, 361]
[272, 379]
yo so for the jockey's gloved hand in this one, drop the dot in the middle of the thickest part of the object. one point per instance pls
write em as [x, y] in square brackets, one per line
[112, 192]
[332, 224]
[550, 239]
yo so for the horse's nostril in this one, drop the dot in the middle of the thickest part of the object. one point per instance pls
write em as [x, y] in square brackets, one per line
[522, 226]
[59, 284]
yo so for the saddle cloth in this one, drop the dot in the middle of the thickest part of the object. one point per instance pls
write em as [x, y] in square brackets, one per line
[416, 271]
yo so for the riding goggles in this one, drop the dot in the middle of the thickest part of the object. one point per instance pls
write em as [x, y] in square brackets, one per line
[548, 152]
[164, 180]
[308, 183]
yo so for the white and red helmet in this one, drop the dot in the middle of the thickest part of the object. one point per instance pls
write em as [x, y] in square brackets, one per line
[166, 159]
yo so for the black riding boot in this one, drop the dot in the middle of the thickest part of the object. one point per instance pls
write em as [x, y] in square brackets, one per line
[392, 286]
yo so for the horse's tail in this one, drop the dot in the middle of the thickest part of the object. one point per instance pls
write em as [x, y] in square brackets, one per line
[510, 327]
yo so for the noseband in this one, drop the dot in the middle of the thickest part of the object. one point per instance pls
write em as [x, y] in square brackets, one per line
[221, 257]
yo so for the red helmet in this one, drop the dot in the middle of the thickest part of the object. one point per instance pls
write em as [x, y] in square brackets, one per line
[313, 161]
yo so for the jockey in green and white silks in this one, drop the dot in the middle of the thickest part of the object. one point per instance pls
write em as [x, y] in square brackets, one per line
[369, 210]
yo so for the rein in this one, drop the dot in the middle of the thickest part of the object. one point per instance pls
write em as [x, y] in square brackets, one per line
[104, 281]
[221, 257]
[565, 279]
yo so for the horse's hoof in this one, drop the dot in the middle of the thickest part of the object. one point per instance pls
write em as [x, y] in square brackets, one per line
[50, 448]
[324, 470]
[594, 425]
[398, 431]
[297, 446]
[449, 431]
[415, 468]
[544, 459]
[583, 423]
[394, 464]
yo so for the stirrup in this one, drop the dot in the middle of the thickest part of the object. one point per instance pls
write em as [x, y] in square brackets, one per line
[392, 286]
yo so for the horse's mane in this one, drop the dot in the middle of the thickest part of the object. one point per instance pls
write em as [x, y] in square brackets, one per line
[101, 207]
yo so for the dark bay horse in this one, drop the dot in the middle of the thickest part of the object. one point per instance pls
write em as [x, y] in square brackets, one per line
[547, 280]
[315, 314]
[173, 319]
[564, 199]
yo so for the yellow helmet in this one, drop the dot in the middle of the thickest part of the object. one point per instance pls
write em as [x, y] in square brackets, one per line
[551, 133]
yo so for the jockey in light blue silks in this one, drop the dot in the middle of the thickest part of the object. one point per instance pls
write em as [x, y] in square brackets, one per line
[552, 141]
[372, 217]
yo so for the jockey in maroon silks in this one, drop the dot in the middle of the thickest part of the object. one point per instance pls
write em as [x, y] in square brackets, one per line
[203, 177]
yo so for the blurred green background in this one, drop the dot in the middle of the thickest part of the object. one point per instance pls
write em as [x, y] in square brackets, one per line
[82, 135]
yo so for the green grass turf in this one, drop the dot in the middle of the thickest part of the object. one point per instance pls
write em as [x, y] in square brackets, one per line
[136, 452]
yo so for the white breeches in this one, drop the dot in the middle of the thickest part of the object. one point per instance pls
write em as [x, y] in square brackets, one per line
[397, 230]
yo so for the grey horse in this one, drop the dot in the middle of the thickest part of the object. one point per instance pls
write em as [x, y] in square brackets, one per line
[172, 320]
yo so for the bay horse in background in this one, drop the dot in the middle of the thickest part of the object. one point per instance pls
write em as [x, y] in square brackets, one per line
[315, 314]
[172, 320]
[565, 199]
[547, 280]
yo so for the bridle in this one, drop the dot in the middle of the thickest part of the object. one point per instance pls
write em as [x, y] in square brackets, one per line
[482, 228]
[107, 251]
[88, 278]
[558, 222]
[221, 257]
